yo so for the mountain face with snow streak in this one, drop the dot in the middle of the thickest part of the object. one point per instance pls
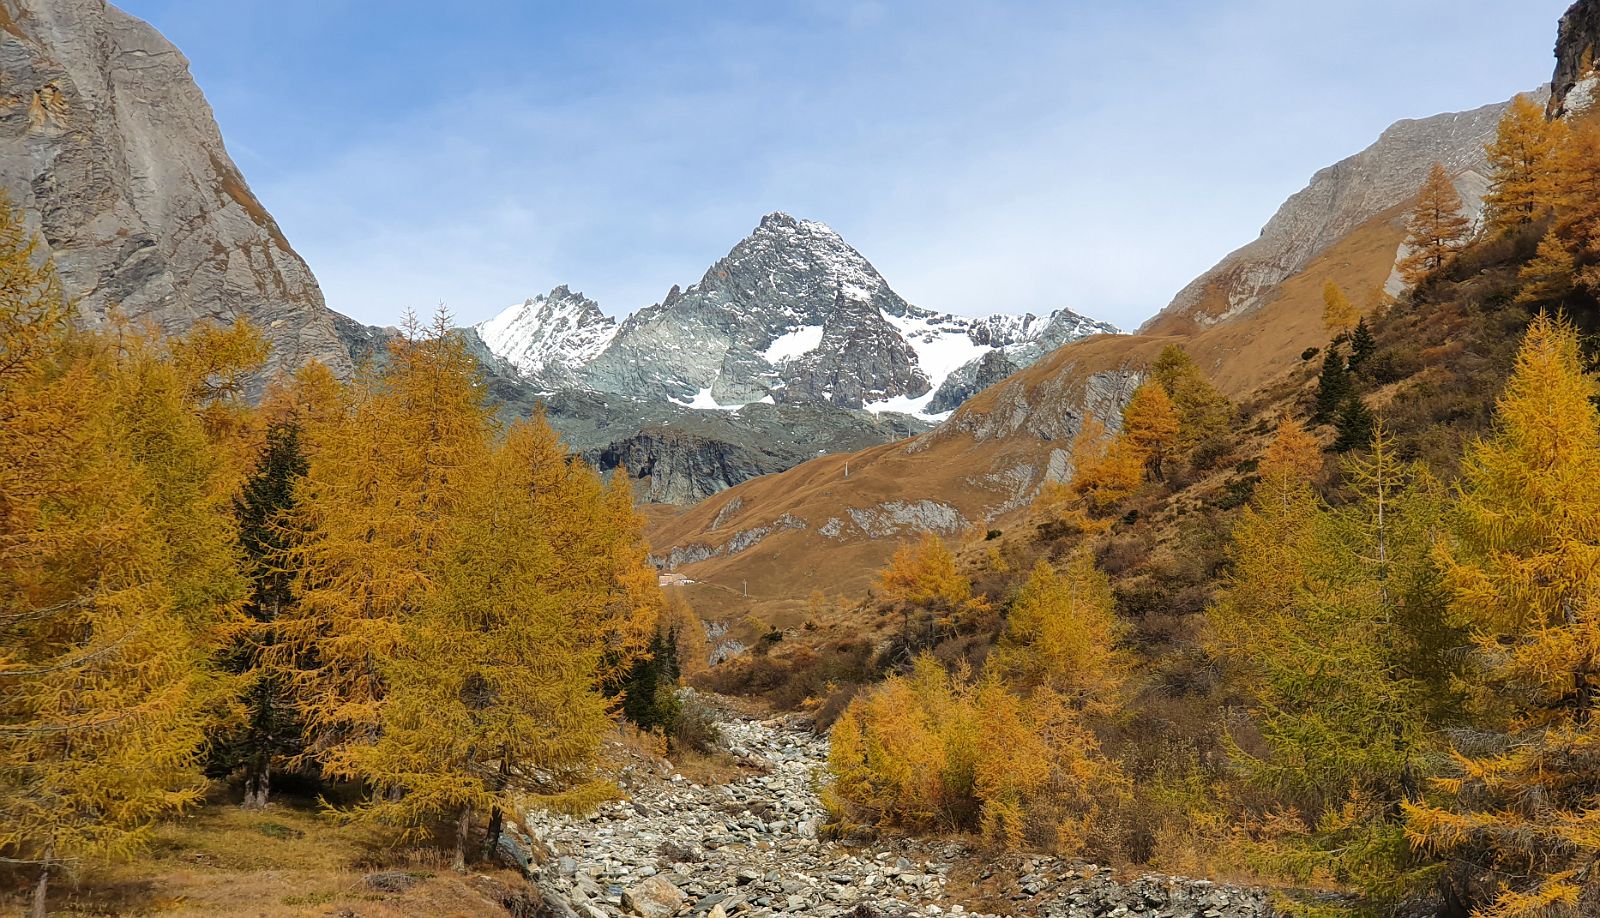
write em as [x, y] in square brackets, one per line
[549, 337]
[793, 315]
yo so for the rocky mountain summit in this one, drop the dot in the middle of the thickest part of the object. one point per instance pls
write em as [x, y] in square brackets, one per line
[792, 315]
[750, 847]
[110, 148]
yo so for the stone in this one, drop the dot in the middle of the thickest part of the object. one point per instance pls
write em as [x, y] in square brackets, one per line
[391, 881]
[654, 897]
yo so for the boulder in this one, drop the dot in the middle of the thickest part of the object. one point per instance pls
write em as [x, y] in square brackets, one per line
[654, 897]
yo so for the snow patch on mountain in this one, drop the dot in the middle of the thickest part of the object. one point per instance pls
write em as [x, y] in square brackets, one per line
[793, 344]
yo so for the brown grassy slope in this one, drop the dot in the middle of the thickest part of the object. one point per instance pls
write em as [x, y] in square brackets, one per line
[988, 459]
[275, 863]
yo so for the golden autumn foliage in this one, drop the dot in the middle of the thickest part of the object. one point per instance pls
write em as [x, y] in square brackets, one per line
[1203, 412]
[1061, 634]
[1150, 422]
[1524, 156]
[931, 751]
[924, 574]
[1339, 315]
[385, 477]
[1331, 622]
[491, 688]
[1522, 570]
[1106, 469]
[1569, 254]
[118, 579]
[1437, 230]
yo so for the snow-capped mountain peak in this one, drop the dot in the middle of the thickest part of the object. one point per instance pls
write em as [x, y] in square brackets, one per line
[791, 315]
[550, 335]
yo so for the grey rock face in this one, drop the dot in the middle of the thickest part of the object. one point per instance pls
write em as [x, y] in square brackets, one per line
[1576, 84]
[108, 145]
[549, 336]
[861, 359]
[1339, 199]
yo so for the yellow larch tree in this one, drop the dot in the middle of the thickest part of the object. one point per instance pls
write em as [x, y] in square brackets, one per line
[1107, 468]
[1150, 422]
[1062, 633]
[1569, 254]
[1523, 574]
[383, 480]
[492, 696]
[1339, 315]
[930, 751]
[925, 574]
[102, 629]
[1437, 230]
[1524, 181]
[1203, 413]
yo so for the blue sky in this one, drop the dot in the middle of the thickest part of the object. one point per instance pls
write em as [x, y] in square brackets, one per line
[988, 155]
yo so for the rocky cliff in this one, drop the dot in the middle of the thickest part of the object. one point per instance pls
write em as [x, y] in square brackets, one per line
[1576, 83]
[109, 146]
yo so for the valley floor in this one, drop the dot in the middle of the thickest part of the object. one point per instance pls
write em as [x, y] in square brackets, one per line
[750, 847]
[688, 840]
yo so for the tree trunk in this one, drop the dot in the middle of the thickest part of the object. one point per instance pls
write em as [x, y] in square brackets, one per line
[463, 829]
[257, 785]
[41, 890]
[491, 838]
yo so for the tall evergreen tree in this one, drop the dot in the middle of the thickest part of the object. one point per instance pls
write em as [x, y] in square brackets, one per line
[1334, 386]
[1353, 425]
[1362, 344]
[1316, 619]
[269, 731]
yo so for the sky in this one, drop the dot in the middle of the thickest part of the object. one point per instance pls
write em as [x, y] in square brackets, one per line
[986, 156]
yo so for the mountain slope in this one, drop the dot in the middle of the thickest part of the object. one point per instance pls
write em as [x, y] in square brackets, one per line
[110, 148]
[1336, 201]
[812, 527]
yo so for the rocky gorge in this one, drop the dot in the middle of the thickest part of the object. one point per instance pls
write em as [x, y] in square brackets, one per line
[753, 847]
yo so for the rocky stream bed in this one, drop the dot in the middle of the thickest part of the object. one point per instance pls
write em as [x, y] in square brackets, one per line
[750, 847]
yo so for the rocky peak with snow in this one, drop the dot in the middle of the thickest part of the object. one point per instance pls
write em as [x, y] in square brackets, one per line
[548, 336]
[791, 315]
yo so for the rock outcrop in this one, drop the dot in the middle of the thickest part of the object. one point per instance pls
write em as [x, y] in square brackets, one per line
[1576, 83]
[110, 148]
